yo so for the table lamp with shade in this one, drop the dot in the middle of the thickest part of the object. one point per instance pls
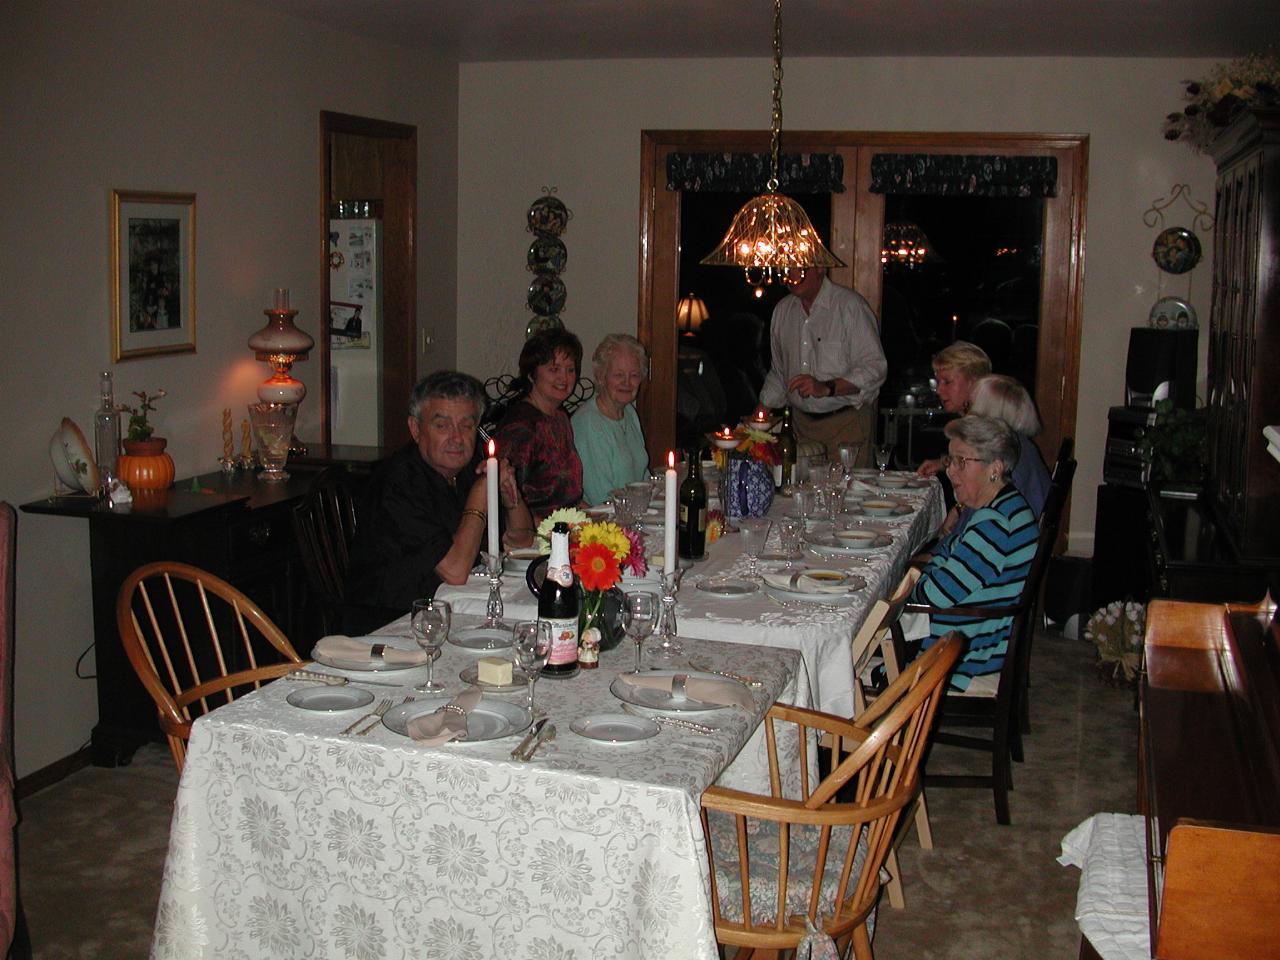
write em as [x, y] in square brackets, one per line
[691, 312]
[281, 344]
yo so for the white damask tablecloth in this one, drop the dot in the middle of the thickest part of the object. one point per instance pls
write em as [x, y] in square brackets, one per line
[821, 634]
[290, 840]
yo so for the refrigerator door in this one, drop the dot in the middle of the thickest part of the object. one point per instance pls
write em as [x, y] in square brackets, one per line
[355, 331]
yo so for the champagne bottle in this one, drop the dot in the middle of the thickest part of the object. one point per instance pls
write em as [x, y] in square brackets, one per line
[106, 431]
[692, 524]
[787, 449]
[558, 606]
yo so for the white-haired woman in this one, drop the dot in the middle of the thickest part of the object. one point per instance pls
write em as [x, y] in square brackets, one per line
[606, 430]
[989, 561]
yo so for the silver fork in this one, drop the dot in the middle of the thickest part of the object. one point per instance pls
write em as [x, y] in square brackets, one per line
[384, 704]
[379, 712]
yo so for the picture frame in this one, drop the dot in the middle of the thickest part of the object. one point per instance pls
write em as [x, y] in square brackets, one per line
[153, 274]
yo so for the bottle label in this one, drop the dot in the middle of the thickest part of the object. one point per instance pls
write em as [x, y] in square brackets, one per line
[564, 641]
[777, 476]
[700, 520]
[562, 575]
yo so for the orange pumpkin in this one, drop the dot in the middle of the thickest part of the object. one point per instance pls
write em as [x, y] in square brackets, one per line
[145, 466]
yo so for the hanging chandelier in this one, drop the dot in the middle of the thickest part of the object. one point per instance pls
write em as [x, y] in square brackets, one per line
[772, 234]
[904, 244]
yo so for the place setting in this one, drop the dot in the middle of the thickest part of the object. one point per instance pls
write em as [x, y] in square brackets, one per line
[825, 586]
[856, 541]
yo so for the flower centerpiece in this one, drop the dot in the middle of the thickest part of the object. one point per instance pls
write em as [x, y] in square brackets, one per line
[1214, 101]
[748, 489]
[1116, 630]
[600, 552]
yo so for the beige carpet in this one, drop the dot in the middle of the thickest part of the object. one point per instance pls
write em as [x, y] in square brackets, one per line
[93, 846]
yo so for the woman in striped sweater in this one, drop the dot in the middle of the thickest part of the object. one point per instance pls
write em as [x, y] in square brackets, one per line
[988, 563]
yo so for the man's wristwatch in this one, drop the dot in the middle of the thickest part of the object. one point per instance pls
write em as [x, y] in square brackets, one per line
[831, 388]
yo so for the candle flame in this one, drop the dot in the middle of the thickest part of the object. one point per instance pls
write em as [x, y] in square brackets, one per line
[671, 459]
[492, 448]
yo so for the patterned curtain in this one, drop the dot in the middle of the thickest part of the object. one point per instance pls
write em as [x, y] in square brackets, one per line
[748, 172]
[945, 174]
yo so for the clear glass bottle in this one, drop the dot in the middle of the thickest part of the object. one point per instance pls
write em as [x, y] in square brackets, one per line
[106, 431]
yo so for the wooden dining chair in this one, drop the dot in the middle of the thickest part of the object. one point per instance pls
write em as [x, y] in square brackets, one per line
[776, 860]
[195, 642]
[995, 701]
[881, 636]
[324, 527]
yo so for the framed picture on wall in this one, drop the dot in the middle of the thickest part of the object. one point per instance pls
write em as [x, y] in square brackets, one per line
[153, 274]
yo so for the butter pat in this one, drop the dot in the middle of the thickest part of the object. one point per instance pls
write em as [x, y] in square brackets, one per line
[494, 671]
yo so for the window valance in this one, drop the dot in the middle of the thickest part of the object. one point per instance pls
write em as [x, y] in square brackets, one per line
[749, 172]
[963, 175]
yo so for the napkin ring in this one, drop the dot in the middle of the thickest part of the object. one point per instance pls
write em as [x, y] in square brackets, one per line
[376, 650]
[454, 708]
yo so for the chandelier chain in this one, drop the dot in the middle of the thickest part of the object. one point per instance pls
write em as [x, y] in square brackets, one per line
[776, 138]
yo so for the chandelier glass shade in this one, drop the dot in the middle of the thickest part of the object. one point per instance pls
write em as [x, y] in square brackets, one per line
[772, 234]
[904, 244]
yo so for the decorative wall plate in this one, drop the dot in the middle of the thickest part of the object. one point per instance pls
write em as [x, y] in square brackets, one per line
[547, 255]
[1176, 250]
[1173, 313]
[73, 462]
[546, 294]
[548, 215]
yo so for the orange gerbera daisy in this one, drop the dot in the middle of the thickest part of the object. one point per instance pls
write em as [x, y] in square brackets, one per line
[596, 566]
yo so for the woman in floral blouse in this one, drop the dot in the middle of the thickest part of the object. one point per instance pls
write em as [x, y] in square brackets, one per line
[535, 434]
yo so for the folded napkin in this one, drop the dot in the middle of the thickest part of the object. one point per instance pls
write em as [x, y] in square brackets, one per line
[726, 693]
[858, 486]
[447, 723]
[340, 647]
[798, 581]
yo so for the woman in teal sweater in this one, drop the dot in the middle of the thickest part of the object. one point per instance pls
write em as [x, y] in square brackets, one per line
[606, 430]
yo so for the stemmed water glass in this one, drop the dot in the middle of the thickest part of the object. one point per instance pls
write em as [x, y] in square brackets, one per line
[755, 533]
[531, 641]
[640, 611]
[849, 458]
[883, 452]
[493, 608]
[429, 621]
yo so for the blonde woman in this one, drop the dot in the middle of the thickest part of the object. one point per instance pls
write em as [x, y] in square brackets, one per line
[956, 368]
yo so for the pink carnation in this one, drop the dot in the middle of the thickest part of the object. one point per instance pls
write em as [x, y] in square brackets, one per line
[635, 563]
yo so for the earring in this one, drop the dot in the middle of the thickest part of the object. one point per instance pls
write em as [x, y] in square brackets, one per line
[994, 478]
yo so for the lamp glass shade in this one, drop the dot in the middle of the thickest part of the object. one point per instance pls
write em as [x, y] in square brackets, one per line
[691, 312]
[772, 232]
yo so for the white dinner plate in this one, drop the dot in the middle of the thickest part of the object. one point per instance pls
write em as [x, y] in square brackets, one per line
[617, 728]
[727, 587]
[519, 679]
[779, 584]
[488, 720]
[655, 699]
[883, 508]
[838, 544]
[367, 663]
[481, 639]
[331, 699]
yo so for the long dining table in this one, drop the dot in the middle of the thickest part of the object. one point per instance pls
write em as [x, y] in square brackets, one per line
[291, 838]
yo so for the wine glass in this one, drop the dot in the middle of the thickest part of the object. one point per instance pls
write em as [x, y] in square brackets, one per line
[430, 621]
[849, 458]
[641, 611]
[755, 533]
[883, 452]
[531, 641]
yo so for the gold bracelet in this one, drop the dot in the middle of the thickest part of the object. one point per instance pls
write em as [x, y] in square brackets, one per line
[478, 514]
[519, 529]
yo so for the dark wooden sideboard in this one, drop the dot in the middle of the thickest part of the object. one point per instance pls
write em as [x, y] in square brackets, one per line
[232, 525]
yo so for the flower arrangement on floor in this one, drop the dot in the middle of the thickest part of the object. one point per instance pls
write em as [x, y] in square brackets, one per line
[600, 552]
[1216, 100]
[1117, 630]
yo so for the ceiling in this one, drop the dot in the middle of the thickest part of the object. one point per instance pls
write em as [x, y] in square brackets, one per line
[483, 30]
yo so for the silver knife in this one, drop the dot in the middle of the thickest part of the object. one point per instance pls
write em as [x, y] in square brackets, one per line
[333, 680]
[546, 736]
[534, 730]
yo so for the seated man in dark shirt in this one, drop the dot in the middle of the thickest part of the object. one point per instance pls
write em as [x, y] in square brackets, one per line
[422, 521]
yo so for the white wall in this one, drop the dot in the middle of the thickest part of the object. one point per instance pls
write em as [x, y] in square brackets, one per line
[576, 125]
[216, 98]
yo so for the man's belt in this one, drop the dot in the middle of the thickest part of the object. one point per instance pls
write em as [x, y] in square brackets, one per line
[827, 413]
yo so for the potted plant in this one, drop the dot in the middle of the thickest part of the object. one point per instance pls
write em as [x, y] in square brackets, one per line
[1176, 448]
[144, 465]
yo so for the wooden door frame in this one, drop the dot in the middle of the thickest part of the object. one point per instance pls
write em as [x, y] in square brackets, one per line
[397, 175]
[857, 222]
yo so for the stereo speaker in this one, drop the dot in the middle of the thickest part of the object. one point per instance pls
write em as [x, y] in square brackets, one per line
[1161, 364]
